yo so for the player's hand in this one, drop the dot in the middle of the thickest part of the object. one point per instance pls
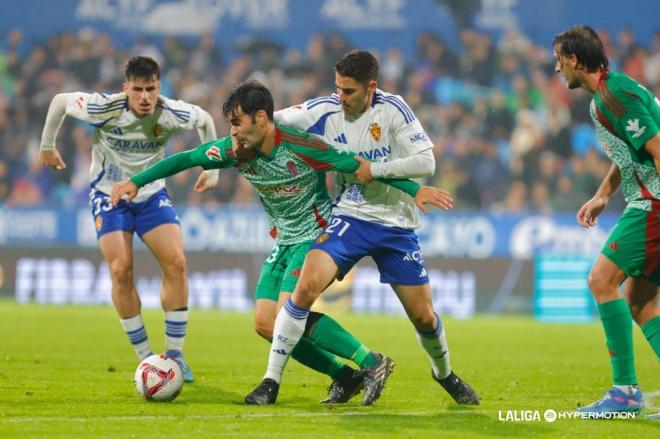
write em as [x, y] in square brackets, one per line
[363, 173]
[207, 180]
[432, 195]
[126, 190]
[590, 210]
[52, 159]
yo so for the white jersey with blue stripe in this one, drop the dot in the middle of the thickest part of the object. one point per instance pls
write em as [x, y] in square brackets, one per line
[387, 131]
[125, 144]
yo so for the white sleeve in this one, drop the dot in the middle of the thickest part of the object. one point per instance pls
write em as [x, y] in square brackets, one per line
[181, 115]
[309, 116]
[95, 108]
[416, 149]
[54, 119]
[421, 164]
[294, 117]
[205, 126]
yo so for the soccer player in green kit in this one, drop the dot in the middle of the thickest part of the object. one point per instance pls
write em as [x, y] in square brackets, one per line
[627, 120]
[286, 167]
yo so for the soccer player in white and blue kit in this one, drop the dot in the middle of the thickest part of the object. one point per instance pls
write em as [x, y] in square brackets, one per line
[131, 131]
[369, 219]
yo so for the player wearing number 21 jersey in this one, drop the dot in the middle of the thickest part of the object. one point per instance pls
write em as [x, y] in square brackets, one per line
[286, 167]
[370, 219]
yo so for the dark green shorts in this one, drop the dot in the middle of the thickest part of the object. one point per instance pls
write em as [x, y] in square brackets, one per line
[281, 270]
[633, 244]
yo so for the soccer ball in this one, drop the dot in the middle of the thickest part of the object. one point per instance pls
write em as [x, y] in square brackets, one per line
[158, 378]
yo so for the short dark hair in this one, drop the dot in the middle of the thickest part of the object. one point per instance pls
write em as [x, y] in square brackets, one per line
[583, 42]
[251, 96]
[141, 67]
[359, 65]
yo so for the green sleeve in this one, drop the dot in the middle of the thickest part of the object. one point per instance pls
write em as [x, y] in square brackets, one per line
[212, 155]
[404, 184]
[324, 157]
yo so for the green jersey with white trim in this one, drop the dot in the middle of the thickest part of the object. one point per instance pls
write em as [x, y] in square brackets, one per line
[290, 181]
[627, 115]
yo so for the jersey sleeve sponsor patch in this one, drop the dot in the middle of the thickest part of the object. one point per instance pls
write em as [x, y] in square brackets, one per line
[213, 153]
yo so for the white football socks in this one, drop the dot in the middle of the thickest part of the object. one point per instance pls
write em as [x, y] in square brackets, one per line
[176, 323]
[289, 327]
[435, 345]
[137, 334]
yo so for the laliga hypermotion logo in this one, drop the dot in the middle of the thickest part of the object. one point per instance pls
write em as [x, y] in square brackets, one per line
[551, 415]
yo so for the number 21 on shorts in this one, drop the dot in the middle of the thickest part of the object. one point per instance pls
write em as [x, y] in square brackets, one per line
[336, 222]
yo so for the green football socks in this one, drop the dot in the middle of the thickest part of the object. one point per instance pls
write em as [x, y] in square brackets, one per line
[617, 322]
[651, 330]
[331, 336]
[314, 357]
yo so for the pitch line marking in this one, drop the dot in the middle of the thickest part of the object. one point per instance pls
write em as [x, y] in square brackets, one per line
[18, 420]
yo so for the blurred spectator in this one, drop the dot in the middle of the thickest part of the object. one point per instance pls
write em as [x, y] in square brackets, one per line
[508, 136]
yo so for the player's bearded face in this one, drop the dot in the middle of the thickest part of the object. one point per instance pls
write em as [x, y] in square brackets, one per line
[565, 66]
[142, 95]
[247, 133]
[354, 96]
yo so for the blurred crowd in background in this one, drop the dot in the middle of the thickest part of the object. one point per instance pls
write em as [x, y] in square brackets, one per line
[508, 135]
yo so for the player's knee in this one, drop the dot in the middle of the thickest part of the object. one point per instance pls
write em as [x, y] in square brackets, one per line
[121, 271]
[597, 284]
[264, 328]
[643, 310]
[425, 320]
[309, 287]
[636, 314]
[176, 264]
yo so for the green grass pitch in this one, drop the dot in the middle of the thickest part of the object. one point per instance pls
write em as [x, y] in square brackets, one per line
[68, 372]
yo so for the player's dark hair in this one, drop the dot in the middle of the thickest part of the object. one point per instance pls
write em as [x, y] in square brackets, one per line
[583, 42]
[251, 96]
[359, 65]
[141, 67]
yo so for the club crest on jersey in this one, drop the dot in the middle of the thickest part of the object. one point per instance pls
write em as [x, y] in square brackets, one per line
[213, 153]
[158, 130]
[293, 169]
[98, 222]
[375, 131]
[322, 238]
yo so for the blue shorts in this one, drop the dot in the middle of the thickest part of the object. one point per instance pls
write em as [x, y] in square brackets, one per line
[131, 217]
[394, 250]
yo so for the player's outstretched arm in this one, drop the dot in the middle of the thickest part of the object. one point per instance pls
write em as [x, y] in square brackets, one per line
[422, 164]
[126, 190]
[431, 195]
[48, 155]
[208, 179]
[171, 165]
[326, 157]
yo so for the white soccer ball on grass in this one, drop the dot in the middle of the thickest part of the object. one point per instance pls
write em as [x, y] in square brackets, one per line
[158, 378]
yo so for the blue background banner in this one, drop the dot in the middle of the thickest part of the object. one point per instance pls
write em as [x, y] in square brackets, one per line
[245, 229]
